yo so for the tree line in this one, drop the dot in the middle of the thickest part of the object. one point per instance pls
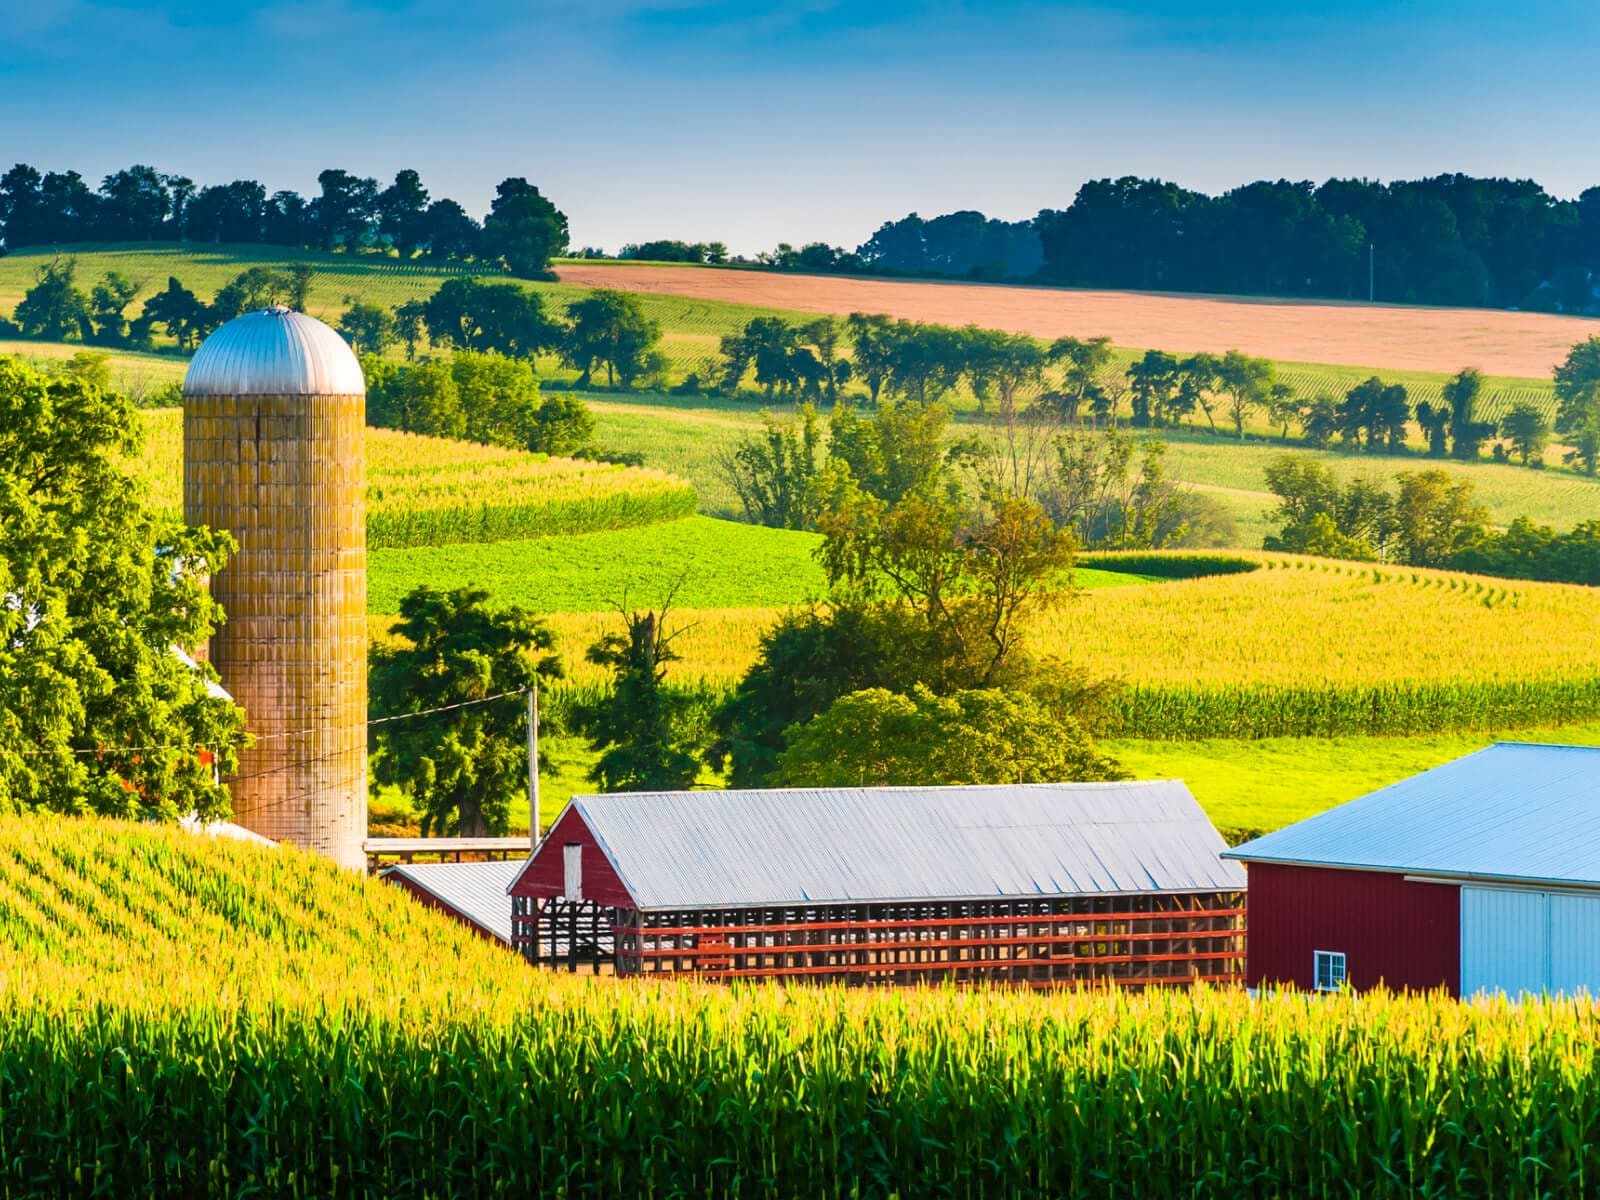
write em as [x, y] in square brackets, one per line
[521, 232]
[1450, 239]
[1427, 518]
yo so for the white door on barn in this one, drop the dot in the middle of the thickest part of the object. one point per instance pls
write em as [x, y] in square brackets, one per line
[1519, 942]
[1574, 943]
[1505, 941]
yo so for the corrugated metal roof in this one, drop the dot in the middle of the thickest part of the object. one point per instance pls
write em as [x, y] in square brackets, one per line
[857, 845]
[274, 352]
[1513, 811]
[475, 890]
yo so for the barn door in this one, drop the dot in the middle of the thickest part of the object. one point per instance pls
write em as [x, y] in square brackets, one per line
[1505, 941]
[1574, 944]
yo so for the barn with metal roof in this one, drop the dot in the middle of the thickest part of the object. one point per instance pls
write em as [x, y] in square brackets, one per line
[1481, 875]
[1046, 884]
[474, 893]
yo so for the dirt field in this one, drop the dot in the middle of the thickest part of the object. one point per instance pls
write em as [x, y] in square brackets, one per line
[1391, 336]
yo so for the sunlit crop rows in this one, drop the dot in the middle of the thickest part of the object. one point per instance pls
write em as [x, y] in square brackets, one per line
[424, 491]
[1298, 647]
[182, 1016]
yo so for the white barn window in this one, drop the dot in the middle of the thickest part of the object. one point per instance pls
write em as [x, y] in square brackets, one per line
[572, 871]
[1328, 970]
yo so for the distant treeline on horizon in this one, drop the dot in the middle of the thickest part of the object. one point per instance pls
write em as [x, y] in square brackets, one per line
[1451, 239]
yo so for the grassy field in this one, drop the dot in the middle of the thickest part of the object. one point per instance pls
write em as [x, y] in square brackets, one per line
[702, 562]
[424, 491]
[188, 1016]
[691, 328]
[1262, 785]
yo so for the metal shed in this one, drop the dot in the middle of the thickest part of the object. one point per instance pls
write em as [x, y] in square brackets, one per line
[1481, 875]
[474, 893]
[1043, 884]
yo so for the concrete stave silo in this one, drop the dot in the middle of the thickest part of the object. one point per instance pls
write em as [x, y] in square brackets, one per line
[274, 426]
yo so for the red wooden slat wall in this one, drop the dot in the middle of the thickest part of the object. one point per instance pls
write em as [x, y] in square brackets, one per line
[1404, 935]
[543, 877]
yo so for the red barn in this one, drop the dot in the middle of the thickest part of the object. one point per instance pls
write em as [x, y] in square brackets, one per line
[1482, 875]
[1047, 884]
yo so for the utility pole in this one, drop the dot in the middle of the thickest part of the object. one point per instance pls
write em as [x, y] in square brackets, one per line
[1372, 274]
[533, 762]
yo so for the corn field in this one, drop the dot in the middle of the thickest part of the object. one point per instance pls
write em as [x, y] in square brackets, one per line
[188, 1017]
[424, 491]
[1296, 647]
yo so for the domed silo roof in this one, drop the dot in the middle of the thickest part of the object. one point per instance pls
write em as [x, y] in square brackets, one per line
[274, 352]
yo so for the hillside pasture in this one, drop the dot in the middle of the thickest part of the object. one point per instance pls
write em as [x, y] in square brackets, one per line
[1401, 337]
[700, 564]
[424, 491]
[1250, 787]
[1324, 357]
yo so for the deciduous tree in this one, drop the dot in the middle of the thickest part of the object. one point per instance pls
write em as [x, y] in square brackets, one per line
[524, 230]
[462, 767]
[100, 712]
[979, 736]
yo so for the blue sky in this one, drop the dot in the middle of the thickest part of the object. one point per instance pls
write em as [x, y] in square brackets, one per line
[758, 122]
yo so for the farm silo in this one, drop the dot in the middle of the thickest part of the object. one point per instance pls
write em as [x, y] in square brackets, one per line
[274, 420]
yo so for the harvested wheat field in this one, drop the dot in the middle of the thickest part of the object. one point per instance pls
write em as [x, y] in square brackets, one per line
[1396, 337]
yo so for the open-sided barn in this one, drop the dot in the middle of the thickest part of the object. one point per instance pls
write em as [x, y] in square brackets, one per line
[1482, 875]
[1043, 884]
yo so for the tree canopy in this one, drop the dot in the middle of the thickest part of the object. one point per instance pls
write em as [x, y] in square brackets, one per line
[462, 767]
[878, 738]
[101, 709]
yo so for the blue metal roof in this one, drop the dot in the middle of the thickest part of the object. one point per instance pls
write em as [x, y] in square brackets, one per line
[1511, 812]
[681, 850]
[475, 890]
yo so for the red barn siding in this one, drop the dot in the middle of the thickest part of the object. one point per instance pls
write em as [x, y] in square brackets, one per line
[1404, 935]
[429, 900]
[542, 878]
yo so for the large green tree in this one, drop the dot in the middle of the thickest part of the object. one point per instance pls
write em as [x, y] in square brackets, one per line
[881, 738]
[1578, 393]
[610, 328]
[467, 314]
[640, 730]
[100, 708]
[463, 766]
[55, 308]
[775, 474]
[524, 230]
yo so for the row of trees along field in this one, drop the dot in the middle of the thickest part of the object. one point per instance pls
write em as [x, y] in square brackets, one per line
[1451, 239]
[1070, 378]
[1428, 519]
[521, 232]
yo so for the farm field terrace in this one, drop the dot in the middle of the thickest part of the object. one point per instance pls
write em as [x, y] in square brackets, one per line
[700, 562]
[1402, 337]
[425, 491]
[164, 991]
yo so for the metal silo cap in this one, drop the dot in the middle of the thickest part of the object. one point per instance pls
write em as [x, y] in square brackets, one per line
[274, 352]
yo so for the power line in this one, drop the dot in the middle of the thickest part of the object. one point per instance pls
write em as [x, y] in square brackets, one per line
[102, 751]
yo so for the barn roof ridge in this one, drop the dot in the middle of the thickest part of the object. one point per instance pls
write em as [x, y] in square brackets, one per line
[950, 843]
